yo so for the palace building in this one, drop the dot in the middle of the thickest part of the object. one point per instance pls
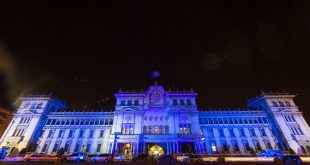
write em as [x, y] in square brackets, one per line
[158, 121]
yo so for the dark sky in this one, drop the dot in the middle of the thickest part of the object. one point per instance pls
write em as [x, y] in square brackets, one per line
[227, 51]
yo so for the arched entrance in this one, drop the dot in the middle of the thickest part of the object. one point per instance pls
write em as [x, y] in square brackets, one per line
[127, 150]
[156, 150]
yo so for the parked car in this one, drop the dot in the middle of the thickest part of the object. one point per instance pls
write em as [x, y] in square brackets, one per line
[140, 158]
[102, 158]
[119, 157]
[182, 157]
[166, 159]
[271, 153]
[90, 156]
[291, 159]
[77, 157]
[15, 158]
[39, 157]
[193, 158]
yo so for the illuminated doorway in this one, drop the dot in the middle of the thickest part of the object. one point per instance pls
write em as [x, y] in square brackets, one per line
[156, 150]
[126, 150]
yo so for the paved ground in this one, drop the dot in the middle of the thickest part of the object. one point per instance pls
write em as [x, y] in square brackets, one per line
[129, 163]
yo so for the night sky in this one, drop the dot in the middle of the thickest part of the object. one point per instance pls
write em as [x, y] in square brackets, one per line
[227, 51]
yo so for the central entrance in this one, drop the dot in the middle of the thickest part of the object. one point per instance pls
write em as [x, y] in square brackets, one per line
[156, 150]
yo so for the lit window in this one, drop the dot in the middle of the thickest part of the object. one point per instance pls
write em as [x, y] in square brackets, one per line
[155, 130]
[213, 146]
[144, 129]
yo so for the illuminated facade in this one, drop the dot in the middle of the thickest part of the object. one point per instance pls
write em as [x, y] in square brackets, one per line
[158, 121]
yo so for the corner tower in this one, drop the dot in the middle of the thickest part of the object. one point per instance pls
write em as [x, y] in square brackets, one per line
[26, 125]
[289, 121]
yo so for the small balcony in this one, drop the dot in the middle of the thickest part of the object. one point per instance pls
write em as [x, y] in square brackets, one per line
[192, 136]
[300, 137]
[15, 139]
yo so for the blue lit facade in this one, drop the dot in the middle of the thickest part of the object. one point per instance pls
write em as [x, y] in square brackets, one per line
[158, 121]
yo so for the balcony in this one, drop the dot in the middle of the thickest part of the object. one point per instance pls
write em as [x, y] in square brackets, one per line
[14, 139]
[192, 136]
[300, 137]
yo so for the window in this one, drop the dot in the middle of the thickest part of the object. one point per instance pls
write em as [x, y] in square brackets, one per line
[123, 103]
[50, 134]
[91, 133]
[41, 133]
[129, 103]
[252, 132]
[274, 104]
[44, 147]
[181, 102]
[262, 132]
[39, 105]
[235, 146]
[213, 146]
[221, 132]
[88, 147]
[21, 121]
[188, 102]
[155, 130]
[242, 133]
[281, 104]
[81, 134]
[231, 132]
[67, 147]
[77, 147]
[136, 102]
[166, 129]
[101, 133]
[70, 134]
[60, 134]
[33, 106]
[144, 129]
[210, 131]
[288, 104]
[55, 147]
[98, 147]
[300, 131]
[161, 130]
[150, 130]
[175, 102]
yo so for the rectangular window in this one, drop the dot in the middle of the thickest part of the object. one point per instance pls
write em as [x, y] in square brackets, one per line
[70, 134]
[44, 147]
[242, 133]
[252, 132]
[77, 147]
[67, 147]
[211, 134]
[231, 132]
[55, 147]
[60, 134]
[101, 133]
[50, 134]
[262, 132]
[221, 132]
[91, 133]
[81, 134]
[98, 148]
[88, 147]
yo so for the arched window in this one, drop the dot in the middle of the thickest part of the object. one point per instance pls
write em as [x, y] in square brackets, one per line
[39, 105]
[129, 103]
[144, 129]
[188, 102]
[182, 102]
[274, 104]
[156, 130]
[281, 104]
[288, 104]
[175, 102]
[122, 102]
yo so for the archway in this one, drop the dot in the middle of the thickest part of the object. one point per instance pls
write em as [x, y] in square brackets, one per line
[126, 150]
[156, 150]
